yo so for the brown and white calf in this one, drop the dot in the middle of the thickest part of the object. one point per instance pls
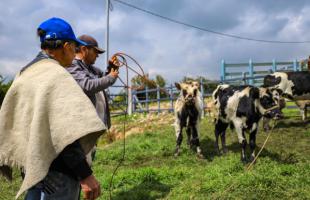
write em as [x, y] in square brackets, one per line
[188, 109]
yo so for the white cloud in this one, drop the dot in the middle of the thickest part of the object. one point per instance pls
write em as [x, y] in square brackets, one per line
[162, 47]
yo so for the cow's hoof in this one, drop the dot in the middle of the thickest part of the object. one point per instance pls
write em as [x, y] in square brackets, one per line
[200, 156]
[251, 159]
[225, 151]
[266, 129]
[244, 160]
[217, 151]
[176, 154]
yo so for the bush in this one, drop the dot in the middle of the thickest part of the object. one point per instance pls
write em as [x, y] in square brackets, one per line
[4, 87]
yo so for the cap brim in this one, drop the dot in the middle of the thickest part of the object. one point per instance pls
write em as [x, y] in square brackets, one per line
[99, 50]
[80, 42]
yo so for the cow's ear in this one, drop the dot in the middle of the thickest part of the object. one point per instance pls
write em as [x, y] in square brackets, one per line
[254, 93]
[197, 84]
[177, 85]
[279, 91]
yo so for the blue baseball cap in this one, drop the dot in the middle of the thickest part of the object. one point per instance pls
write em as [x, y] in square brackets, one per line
[58, 29]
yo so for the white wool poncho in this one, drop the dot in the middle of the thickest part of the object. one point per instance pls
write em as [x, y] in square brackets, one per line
[44, 111]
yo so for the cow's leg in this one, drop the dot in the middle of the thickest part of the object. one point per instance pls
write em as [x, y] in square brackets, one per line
[179, 137]
[303, 113]
[241, 138]
[253, 144]
[220, 130]
[306, 107]
[189, 135]
[223, 140]
[266, 125]
[195, 138]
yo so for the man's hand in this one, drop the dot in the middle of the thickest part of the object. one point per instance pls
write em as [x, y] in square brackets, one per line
[114, 72]
[90, 187]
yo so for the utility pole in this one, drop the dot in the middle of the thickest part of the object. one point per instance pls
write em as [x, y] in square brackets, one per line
[107, 34]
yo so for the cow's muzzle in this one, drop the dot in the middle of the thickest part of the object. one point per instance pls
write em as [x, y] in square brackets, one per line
[274, 113]
[190, 100]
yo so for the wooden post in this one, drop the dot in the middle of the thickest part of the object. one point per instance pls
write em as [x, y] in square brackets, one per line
[158, 99]
[274, 65]
[295, 63]
[129, 101]
[133, 92]
[223, 71]
[251, 72]
[146, 99]
[244, 78]
[171, 97]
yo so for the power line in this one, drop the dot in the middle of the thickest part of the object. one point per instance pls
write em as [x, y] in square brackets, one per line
[208, 30]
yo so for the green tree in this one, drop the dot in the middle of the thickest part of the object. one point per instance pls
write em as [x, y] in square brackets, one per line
[160, 81]
[140, 82]
[4, 87]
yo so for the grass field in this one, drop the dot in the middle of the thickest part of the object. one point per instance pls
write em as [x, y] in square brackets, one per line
[150, 171]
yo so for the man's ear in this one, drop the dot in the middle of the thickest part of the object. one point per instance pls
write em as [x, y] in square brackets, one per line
[177, 85]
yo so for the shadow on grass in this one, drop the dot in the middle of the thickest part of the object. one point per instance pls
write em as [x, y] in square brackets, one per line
[208, 148]
[145, 191]
[293, 123]
[280, 158]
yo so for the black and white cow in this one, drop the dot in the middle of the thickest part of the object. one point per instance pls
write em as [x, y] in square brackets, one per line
[242, 107]
[188, 109]
[294, 86]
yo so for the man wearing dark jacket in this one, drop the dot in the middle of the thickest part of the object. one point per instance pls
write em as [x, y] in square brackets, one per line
[92, 80]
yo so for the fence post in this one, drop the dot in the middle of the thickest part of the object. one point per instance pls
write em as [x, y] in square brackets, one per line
[171, 96]
[158, 99]
[146, 99]
[295, 65]
[244, 78]
[274, 65]
[129, 101]
[133, 93]
[251, 80]
[202, 96]
[223, 71]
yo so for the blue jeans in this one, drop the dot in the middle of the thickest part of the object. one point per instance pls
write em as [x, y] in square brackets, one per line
[55, 186]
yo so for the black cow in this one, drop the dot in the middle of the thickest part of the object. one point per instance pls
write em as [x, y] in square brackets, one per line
[242, 107]
[294, 86]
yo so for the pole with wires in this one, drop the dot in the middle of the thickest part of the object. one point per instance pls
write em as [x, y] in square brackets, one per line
[107, 33]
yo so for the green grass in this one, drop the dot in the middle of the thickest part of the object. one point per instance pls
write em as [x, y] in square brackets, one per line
[150, 171]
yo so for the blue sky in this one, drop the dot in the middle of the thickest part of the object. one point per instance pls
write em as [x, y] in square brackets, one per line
[162, 47]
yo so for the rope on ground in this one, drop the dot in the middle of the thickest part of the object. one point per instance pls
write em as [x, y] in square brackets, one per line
[248, 167]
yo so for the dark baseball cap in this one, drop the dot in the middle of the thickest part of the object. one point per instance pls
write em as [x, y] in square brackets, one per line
[58, 29]
[91, 42]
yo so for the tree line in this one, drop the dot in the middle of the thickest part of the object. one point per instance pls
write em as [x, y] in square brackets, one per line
[4, 87]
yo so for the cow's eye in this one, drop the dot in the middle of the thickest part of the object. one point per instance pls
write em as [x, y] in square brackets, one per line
[195, 92]
[184, 92]
[267, 102]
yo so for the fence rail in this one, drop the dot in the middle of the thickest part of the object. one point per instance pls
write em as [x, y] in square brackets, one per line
[252, 73]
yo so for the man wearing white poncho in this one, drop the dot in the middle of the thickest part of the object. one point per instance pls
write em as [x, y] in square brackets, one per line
[47, 123]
